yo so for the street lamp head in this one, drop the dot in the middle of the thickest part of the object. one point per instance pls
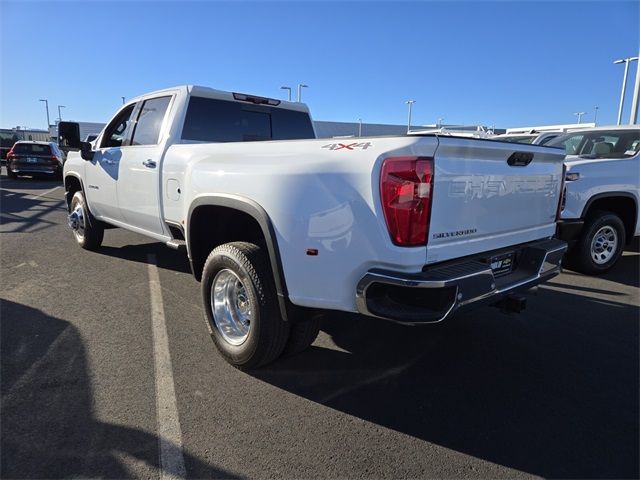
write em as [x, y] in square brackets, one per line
[625, 60]
[285, 88]
[410, 101]
[302, 85]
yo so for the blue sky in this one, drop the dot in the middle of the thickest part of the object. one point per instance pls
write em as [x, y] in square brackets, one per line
[496, 63]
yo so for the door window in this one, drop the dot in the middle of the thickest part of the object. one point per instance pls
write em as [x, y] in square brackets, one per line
[147, 129]
[115, 132]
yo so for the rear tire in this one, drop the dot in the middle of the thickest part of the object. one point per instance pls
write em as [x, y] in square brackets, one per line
[303, 334]
[90, 232]
[241, 305]
[600, 244]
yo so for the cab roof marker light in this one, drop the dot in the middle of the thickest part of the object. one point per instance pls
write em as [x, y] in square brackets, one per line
[243, 97]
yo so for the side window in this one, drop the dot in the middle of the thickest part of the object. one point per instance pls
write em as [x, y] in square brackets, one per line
[115, 131]
[147, 129]
[571, 144]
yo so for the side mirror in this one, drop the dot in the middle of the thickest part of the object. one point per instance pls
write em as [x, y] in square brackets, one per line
[69, 136]
[85, 151]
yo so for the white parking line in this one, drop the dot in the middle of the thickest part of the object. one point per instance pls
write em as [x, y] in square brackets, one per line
[169, 433]
[35, 197]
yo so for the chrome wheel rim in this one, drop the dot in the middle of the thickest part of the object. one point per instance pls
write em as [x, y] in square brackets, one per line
[76, 221]
[604, 245]
[231, 307]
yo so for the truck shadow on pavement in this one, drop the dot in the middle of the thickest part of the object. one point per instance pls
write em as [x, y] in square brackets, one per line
[20, 212]
[37, 182]
[167, 259]
[552, 392]
[48, 427]
[626, 270]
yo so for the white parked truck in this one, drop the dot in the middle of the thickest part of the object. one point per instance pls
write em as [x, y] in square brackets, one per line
[600, 211]
[277, 224]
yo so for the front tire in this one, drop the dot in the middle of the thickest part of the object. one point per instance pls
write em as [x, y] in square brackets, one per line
[87, 231]
[241, 305]
[600, 244]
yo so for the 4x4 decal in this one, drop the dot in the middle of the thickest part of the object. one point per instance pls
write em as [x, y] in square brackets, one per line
[348, 146]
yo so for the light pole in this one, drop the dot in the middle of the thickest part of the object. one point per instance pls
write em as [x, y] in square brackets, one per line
[300, 87]
[60, 114]
[359, 127]
[626, 62]
[122, 100]
[595, 114]
[410, 103]
[636, 97]
[579, 115]
[439, 124]
[46, 105]
[288, 89]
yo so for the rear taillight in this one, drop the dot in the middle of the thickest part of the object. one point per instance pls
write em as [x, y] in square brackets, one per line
[10, 154]
[406, 185]
[54, 159]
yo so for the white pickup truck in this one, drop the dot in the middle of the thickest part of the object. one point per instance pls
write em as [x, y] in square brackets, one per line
[277, 224]
[602, 191]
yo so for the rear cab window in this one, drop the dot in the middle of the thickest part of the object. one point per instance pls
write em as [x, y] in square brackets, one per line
[31, 149]
[213, 120]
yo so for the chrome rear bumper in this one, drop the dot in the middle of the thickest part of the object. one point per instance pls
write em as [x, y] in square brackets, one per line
[437, 292]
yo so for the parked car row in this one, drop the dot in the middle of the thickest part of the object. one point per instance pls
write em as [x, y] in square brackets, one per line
[599, 214]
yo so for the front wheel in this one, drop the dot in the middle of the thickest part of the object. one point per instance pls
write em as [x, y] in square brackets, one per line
[87, 231]
[241, 305]
[600, 244]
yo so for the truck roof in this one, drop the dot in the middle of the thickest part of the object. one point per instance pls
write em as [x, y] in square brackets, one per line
[208, 92]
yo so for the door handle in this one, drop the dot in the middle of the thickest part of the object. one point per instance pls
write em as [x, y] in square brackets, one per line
[149, 163]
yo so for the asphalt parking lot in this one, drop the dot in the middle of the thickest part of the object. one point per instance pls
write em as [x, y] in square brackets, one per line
[552, 392]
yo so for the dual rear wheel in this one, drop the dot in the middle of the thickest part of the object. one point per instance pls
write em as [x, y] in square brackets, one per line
[242, 310]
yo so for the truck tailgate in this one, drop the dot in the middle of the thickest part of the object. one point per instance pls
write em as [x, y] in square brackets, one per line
[482, 203]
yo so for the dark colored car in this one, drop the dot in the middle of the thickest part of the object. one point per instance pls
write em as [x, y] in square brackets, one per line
[29, 158]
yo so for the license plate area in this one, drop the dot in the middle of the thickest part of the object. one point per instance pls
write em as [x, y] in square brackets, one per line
[32, 160]
[502, 264]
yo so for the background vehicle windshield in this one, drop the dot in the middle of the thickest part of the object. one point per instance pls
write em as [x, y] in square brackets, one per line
[31, 149]
[600, 144]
